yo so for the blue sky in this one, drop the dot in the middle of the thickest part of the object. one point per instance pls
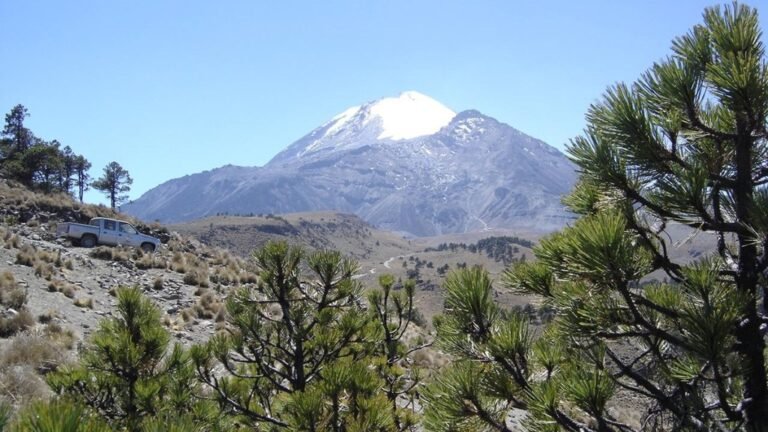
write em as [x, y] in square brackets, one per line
[169, 88]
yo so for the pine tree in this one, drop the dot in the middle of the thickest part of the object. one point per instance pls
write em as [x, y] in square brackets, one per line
[82, 180]
[298, 351]
[684, 146]
[393, 313]
[128, 374]
[42, 163]
[19, 137]
[17, 140]
[58, 416]
[67, 170]
[115, 182]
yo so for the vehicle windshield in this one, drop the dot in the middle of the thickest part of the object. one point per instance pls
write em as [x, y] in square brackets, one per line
[124, 227]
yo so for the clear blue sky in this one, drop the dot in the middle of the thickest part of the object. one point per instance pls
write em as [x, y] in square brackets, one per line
[169, 88]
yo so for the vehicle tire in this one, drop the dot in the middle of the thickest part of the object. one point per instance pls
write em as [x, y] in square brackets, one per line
[147, 247]
[88, 241]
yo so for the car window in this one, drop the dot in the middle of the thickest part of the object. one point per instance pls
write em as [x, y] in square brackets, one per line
[95, 222]
[110, 225]
[124, 227]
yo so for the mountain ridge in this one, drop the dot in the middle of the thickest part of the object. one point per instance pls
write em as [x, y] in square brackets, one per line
[472, 173]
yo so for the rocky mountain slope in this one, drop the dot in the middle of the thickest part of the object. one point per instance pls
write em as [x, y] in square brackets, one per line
[406, 164]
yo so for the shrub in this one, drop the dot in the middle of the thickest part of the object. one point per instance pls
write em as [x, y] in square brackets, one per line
[60, 416]
[15, 299]
[101, 252]
[22, 385]
[10, 240]
[35, 349]
[198, 276]
[68, 291]
[60, 335]
[26, 256]
[22, 320]
[45, 270]
[84, 303]
[186, 315]
[209, 306]
[10, 294]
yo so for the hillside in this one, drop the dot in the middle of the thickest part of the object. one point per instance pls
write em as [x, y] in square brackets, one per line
[66, 291]
[62, 292]
[377, 251]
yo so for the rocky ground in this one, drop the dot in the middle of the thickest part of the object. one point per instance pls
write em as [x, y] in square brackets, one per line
[81, 292]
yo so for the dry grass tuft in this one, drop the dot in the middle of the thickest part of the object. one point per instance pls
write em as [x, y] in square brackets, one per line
[26, 358]
[10, 240]
[17, 318]
[198, 277]
[108, 253]
[60, 335]
[63, 287]
[16, 323]
[157, 284]
[26, 255]
[21, 384]
[45, 270]
[11, 295]
[149, 261]
[44, 262]
[37, 349]
[68, 291]
[208, 306]
[84, 303]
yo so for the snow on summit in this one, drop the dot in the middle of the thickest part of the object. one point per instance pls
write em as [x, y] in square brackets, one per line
[409, 115]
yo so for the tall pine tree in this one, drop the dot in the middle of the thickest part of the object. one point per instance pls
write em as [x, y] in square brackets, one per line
[115, 182]
[684, 147]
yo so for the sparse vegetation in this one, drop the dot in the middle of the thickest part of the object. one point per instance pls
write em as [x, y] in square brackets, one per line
[16, 323]
[110, 253]
[503, 249]
[11, 295]
[157, 284]
[84, 303]
[15, 318]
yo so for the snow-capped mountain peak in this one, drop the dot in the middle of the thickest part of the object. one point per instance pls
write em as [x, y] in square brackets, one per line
[405, 163]
[410, 115]
[407, 116]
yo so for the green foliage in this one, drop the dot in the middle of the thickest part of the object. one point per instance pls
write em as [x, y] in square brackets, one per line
[114, 182]
[6, 410]
[297, 337]
[347, 398]
[58, 416]
[495, 347]
[459, 399]
[392, 313]
[499, 248]
[127, 373]
[684, 145]
[34, 162]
